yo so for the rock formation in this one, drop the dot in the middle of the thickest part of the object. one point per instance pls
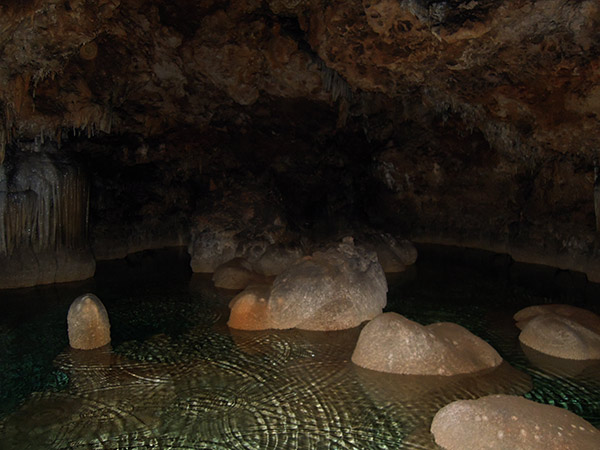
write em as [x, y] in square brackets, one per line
[392, 343]
[331, 290]
[582, 316]
[88, 324]
[467, 122]
[236, 274]
[509, 422]
[558, 336]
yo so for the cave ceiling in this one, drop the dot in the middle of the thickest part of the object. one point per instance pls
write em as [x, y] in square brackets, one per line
[523, 74]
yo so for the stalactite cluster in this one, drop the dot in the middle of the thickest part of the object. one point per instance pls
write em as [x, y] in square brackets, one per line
[43, 205]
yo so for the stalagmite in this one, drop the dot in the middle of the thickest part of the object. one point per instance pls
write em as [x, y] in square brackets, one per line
[88, 324]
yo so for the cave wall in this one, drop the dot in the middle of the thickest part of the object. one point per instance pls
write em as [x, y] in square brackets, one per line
[464, 122]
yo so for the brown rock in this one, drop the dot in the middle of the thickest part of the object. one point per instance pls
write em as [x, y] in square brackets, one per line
[333, 290]
[249, 309]
[561, 337]
[509, 422]
[582, 316]
[392, 343]
[88, 324]
[235, 274]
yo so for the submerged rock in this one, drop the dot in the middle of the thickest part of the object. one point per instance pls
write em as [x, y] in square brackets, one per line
[392, 343]
[561, 337]
[582, 316]
[332, 290]
[88, 324]
[509, 422]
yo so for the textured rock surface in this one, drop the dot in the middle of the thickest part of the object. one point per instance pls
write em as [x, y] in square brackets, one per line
[276, 259]
[88, 324]
[236, 274]
[508, 422]
[561, 337]
[582, 316]
[249, 309]
[392, 343]
[465, 122]
[332, 290]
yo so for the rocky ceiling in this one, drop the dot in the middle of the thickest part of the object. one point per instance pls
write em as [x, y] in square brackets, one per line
[471, 122]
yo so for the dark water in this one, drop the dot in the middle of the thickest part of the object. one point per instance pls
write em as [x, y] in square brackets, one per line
[175, 376]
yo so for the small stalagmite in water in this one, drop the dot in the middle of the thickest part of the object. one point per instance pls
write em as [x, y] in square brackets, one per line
[88, 324]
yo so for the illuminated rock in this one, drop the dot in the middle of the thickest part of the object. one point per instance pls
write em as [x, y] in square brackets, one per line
[392, 343]
[582, 316]
[332, 290]
[88, 324]
[249, 309]
[561, 337]
[510, 422]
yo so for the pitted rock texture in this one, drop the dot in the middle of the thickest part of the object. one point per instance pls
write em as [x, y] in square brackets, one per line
[562, 337]
[509, 422]
[392, 343]
[334, 289]
[463, 122]
[88, 324]
[582, 316]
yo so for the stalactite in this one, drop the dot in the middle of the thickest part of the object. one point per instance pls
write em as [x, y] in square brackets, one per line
[334, 83]
[43, 205]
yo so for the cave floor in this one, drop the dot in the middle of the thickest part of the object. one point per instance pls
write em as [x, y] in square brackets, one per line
[175, 376]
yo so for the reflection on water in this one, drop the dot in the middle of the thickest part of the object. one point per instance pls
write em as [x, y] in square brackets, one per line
[177, 377]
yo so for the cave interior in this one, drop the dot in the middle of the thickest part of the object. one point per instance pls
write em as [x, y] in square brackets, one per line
[128, 125]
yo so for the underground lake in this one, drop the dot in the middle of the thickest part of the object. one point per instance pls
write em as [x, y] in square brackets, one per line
[175, 376]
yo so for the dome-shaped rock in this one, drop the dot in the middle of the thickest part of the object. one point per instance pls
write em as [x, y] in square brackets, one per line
[582, 316]
[333, 290]
[511, 423]
[249, 309]
[561, 337]
[392, 343]
[88, 324]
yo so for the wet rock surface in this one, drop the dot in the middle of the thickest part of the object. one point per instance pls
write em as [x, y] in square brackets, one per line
[559, 336]
[508, 422]
[88, 324]
[392, 343]
[333, 289]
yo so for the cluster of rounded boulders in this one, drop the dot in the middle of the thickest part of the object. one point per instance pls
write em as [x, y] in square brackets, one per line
[511, 423]
[331, 290]
[88, 325]
[562, 331]
[392, 343]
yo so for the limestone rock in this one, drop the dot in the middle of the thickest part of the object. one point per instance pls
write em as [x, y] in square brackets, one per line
[392, 343]
[509, 422]
[276, 259]
[332, 290]
[235, 274]
[249, 309]
[561, 337]
[582, 316]
[88, 324]
[394, 255]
